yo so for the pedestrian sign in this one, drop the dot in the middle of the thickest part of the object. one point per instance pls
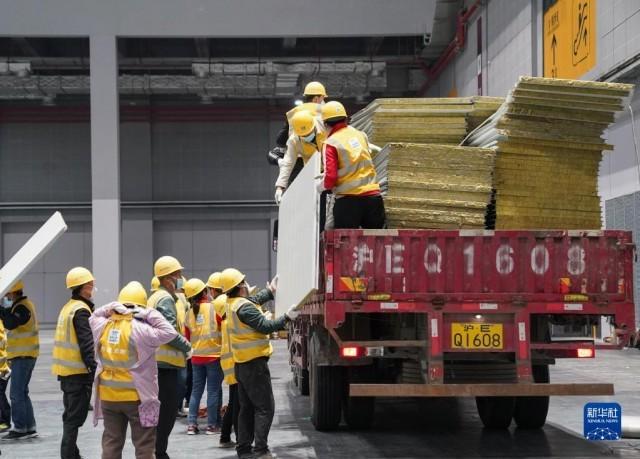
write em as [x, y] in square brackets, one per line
[602, 421]
[569, 31]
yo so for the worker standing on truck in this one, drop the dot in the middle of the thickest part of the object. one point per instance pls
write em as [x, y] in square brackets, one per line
[307, 139]
[171, 357]
[126, 336]
[349, 173]
[73, 357]
[313, 98]
[249, 333]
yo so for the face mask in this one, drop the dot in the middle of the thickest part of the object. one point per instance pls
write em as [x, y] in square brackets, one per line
[179, 283]
[310, 137]
[6, 302]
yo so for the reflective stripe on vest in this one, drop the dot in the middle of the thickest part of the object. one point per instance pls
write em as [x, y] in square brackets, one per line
[23, 341]
[165, 353]
[246, 346]
[67, 359]
[205, 337]
[356, 172]
[117, 354]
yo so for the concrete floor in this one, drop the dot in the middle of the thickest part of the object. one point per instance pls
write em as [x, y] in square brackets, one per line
[403, 429]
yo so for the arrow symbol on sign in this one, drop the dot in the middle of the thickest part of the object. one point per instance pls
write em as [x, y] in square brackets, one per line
[554, 45]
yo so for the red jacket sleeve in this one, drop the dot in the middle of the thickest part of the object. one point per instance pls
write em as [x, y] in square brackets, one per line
[330, 167]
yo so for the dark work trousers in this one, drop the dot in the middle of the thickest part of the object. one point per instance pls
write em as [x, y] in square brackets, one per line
[187, 395]
[76, 398]
[168, 396]
[230, 418]
[5, 408]
[359, 212]
[257, 406]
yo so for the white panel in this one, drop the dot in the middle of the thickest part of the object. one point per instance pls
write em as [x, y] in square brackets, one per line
[298, 239]
[31, 252]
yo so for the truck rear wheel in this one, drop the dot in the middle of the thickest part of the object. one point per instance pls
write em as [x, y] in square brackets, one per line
[358, 411]
[531, 412]
[326, 396]
[495, 412]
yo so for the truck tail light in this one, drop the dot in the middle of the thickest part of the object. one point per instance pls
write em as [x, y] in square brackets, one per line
[585, 353]
[351, 352]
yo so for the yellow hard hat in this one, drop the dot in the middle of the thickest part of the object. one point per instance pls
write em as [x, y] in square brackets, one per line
[16, 287]
[192, 287]
[302, 123]
[133, 293]
[166, 265]
[315, 88]
[220, 304]
[78, 276]
[231, 278]
[214, 281]
[155, 283]
[333, 110]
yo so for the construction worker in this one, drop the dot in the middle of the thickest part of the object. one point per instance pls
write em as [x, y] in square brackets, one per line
[23, 347]
[308, 137]
[5, 373]
[126, 336]
[249, 333]
[349, 173]
[204, 333]
[73, 357]
[155, 284]
[171, 357]
[230, 418]
[185, 375]
[313, 98]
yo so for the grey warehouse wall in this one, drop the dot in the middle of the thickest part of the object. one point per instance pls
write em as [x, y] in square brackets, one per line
[159, 162]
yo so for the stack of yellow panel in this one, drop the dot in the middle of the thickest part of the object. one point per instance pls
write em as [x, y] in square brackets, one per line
[548, 136]
[435, 120]
[435, 186]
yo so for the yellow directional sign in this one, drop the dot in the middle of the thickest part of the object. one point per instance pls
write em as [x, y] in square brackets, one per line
[569, 29]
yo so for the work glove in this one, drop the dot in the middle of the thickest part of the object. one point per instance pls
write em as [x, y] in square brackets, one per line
[319, 182]
[273, 285]
[268, 315]
[292, 313]
[140, 313]
[189, 354]
[122, 309]
[278, 195]
[275, 154]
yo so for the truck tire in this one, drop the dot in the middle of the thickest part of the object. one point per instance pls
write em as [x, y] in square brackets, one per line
[359, 412]
[302, 381]
[531, 412]
[495, 412]
[326, 396]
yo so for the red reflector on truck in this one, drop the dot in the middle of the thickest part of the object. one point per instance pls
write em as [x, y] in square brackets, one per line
[585, 353]
[352, 352]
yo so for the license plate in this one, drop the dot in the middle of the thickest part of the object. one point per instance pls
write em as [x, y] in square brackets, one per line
[476, 336]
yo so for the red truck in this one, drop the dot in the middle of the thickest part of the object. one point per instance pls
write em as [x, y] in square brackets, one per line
[457, 313]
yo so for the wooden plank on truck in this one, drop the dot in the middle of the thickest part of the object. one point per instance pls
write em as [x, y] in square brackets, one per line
[31, 251]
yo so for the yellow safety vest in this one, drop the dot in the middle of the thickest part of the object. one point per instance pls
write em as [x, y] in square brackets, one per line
[67, 359]
[4, 366]
[246, 343]
[356, 173]
[311, 107]
[23, 341]
[308, 149]
[226, 358]
[118, 355]
[165, 353]
[182, 306]
[205, 336]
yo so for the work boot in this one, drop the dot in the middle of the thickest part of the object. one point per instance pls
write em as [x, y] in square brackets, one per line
[265, 455]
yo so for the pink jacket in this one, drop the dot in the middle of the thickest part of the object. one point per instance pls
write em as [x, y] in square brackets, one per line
[150, 330]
